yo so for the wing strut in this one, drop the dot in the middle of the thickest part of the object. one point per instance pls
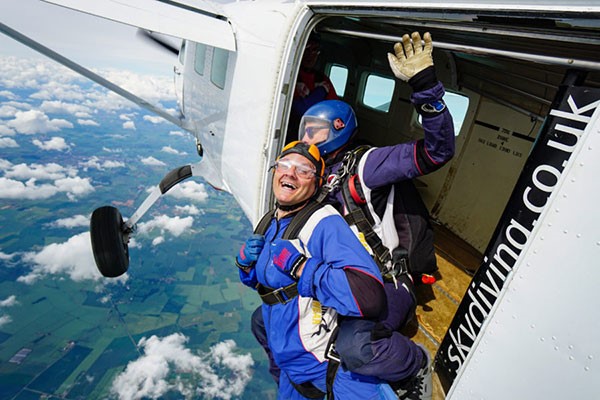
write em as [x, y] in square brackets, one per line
[91, 75]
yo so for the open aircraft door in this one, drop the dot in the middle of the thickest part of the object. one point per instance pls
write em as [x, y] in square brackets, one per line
[500, 322]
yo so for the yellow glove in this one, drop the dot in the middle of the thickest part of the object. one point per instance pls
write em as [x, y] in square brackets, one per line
[411, 58]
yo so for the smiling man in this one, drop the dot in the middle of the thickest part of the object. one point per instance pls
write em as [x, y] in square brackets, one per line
[306, 282]
[297, 176]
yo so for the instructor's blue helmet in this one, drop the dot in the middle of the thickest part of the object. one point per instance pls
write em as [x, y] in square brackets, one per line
[329, 124]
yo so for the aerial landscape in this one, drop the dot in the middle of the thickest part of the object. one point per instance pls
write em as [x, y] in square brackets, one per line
[177, 324]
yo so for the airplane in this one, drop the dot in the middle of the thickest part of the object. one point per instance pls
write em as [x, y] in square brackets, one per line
[515, 211]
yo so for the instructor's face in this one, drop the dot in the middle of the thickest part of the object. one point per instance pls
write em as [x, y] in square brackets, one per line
[291, 182]
[315, 132]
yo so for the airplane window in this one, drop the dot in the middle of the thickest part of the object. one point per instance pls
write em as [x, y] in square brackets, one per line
[338, 75]
[458, 106]
[199, 59]
[378, 93]
[218, 70]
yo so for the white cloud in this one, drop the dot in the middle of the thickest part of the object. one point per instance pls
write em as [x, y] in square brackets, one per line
[158, 240]
[7, 111]
[190, 209]
[170, 150]
[174, 225]
[64, 90]
[112, 164]
[87, 122]
[5, 164]
[74, 187]
[197, 375]
[9, 301]
[65, 180]
[112, 150]
[73, 258]
[35, 121]
[56, 143]
[61, 107]
[12, 189]
[95, 162]
[8, 94]
[6, 257]
[72, 222]
[152, 162]
[129, 125]
[5, 319]
[39, 171]
[154, 119]
[5, 130]
[8, 142]
[176, 133]
[149, 87]
[30, 190]
[189, 190]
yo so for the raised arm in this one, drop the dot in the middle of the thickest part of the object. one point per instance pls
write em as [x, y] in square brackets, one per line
[412, 62]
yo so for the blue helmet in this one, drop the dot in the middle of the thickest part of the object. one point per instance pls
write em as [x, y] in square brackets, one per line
[329, 124]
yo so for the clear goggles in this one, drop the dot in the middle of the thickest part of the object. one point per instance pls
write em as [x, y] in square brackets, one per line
[302, 170]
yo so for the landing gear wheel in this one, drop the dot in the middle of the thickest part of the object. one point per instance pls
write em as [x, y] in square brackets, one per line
[109, 241]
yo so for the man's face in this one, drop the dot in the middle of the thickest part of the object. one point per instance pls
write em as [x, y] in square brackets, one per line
[315, 132]
[311, 54]
[292, 182]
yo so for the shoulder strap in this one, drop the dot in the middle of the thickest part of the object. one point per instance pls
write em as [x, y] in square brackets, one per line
[358, 215]
[263, 224]
[361, 219]
[296, 224]
[299, 220]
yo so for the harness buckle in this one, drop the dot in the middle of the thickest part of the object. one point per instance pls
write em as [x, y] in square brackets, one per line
[331, 354]
[279, 295]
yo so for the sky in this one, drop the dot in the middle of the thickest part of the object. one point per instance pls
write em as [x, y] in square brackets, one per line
[114, 51]
[88, 40]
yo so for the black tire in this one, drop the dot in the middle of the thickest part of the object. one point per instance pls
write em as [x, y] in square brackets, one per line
[108, 245]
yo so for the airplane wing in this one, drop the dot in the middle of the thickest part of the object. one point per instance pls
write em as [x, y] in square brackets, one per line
[201, 22]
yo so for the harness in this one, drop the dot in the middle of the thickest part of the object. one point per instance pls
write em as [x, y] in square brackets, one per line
[282, 295]
[391, 265]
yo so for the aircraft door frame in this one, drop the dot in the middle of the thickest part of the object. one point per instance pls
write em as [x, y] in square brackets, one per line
[570, 115]
[178, 71]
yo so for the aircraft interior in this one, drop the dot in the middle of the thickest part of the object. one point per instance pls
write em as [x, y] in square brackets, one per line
[501, 74]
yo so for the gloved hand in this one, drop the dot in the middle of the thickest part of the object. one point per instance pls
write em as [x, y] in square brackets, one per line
[411, 58]
[250, 251]
[288, 256]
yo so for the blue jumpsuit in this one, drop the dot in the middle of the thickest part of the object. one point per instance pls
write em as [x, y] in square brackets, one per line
[298, 331]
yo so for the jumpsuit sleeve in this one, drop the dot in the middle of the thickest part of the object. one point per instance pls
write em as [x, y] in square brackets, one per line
[387, 165]
[340, 273]
[249, 278]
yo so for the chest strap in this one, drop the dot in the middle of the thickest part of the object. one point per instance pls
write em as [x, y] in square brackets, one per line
[281, 295]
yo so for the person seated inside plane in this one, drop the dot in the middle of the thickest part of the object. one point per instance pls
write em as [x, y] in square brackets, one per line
[308, 282]
[312, 85]
[379, 179]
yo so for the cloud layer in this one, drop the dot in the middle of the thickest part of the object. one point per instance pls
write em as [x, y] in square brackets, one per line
[168, 366]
